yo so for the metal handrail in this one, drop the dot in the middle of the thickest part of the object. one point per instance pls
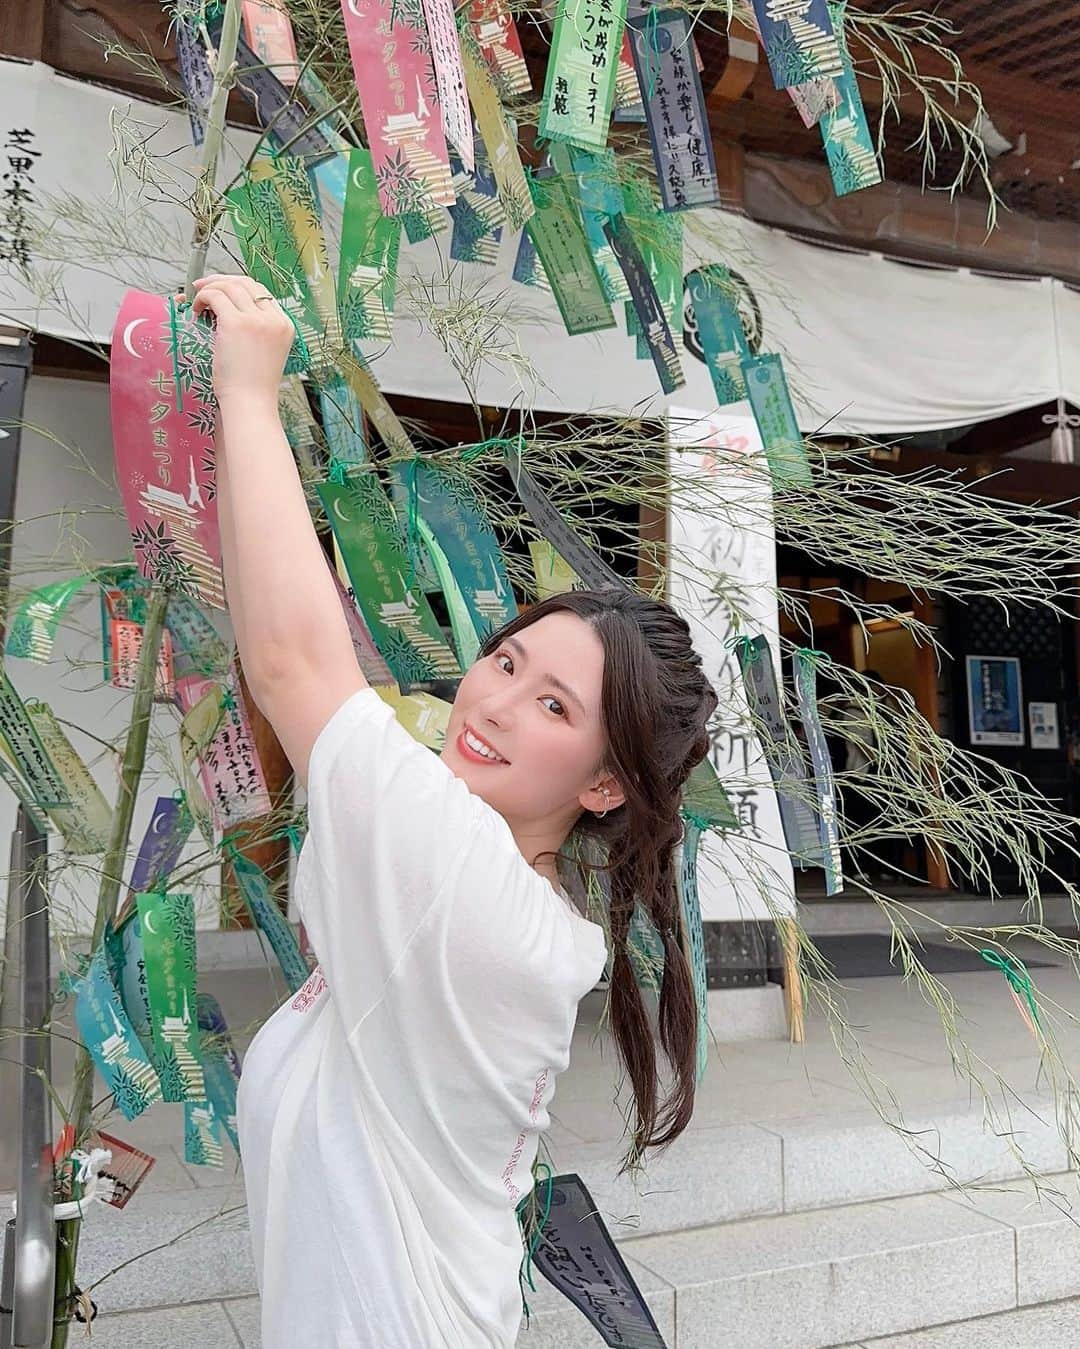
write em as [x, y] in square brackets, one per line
[32, 1287]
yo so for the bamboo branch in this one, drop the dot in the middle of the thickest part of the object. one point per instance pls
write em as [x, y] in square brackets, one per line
[67, 1232]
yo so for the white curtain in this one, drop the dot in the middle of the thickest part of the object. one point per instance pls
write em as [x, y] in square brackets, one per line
[872, 345]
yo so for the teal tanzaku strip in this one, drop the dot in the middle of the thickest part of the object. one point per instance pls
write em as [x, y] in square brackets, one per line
[690, 903]
[167, 925]
[398, 615]
[806, 663]
[202, 1135]
[467, 640]
[849, 142]
[33, 628]
[221, 1065]
[770, 399]
[782, 753]
[720, 331]
[452, 509]
[558, 235]
[112, 1043]
[343, 423]
[268, 918]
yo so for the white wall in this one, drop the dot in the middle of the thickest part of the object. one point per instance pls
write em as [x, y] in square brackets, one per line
[70, 517]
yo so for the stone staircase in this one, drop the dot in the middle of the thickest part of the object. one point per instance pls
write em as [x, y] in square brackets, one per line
[789, 1217]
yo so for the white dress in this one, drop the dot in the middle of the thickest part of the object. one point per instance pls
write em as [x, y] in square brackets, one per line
[389, 1112]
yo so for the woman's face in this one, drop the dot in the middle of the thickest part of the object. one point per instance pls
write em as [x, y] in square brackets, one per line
[525, 731]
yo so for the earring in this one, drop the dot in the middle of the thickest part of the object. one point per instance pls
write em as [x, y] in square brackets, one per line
[607, 802]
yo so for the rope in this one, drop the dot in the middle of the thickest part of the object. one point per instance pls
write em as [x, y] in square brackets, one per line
[1018, 978]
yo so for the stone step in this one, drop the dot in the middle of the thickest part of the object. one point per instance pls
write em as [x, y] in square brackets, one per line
[718, 1175]
[917, 1271]
[844, 1276]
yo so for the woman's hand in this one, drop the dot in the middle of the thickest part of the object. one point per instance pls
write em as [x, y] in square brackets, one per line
[252, 340]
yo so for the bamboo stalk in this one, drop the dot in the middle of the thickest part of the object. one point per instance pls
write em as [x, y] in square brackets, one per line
[203, 197]
[67, 1232]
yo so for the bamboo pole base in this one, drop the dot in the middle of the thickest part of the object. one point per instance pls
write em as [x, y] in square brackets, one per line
[793, 989]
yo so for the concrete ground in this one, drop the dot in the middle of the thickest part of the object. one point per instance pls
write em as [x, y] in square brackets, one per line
[787, 1166]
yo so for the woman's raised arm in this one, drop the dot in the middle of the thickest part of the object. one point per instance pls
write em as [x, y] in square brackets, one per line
[292, 637]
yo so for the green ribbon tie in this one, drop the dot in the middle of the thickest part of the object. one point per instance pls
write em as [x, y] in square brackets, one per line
[1017, 976]
[531, 1248]
[652, 58]
[695, 820]
[471, 452]
[336, 471]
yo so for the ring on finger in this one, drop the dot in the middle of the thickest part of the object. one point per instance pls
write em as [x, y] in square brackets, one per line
[262, 299]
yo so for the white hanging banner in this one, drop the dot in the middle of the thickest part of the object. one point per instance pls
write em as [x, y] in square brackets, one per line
[743, 875]
[871, 345]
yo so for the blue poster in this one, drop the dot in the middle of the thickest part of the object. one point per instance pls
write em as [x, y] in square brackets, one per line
[994, 700]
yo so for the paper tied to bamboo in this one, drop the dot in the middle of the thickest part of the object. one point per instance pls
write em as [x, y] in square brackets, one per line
[307, 253]
[600, 199]
[528, 269]
[396, 613]
[500, 141]
[32, 631]
[659, 236]
[478, 215]
[650, 312]
[574, 1250]
[167, 833]
[782, 753]
[25, 749]
[558, 234]
[230, 771]
[279, 113]
[675, 112]
[125, 1171]
[343, 424]
[271, 257]
[125, 648]
[163, 412]
[271, 922]
[720, 330]
[442, 34]
[774, 412]
[375, 670]
[799, 40]
[395, 78]
[370, 244]
[195, 73]
[553, 574]
[111, 1041]
[580, 85]
[205, 1120]
[85, 820]
[167, 928]
[451, 507]
[196, 646]
[593, 571]
[849, 142]
[628, 102]
[805, 669]
[270, 36]
[496, 35]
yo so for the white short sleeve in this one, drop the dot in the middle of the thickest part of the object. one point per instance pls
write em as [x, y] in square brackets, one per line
[405, 874]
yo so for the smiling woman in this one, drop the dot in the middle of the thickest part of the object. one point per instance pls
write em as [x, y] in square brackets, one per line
[389, 1116]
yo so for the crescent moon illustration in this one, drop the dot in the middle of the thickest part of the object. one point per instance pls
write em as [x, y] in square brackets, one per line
[127, 336]
[156, 821]
[147, 927]
[340, 513]
[356, 179]
[352, 8]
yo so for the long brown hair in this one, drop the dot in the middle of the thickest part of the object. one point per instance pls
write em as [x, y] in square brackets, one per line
[655, 705]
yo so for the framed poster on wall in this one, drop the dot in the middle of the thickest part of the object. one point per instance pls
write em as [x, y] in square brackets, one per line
[995, 706]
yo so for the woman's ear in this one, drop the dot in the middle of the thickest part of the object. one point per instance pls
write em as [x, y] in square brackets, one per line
[606, 795]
